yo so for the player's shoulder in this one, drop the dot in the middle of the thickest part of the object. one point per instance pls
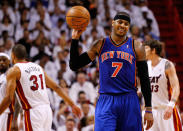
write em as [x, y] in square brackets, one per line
[139, 49]
[97, 44]
[13, 71]
[168, 64]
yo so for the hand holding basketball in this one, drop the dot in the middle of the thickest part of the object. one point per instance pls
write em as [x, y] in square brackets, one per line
[78, 17]
[76, 33]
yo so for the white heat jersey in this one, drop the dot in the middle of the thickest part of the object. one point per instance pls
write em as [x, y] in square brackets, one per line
[31, 88]
[3, 92]
[159, 84]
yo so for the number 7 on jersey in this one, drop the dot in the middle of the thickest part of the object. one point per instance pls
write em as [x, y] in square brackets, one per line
[118, 66]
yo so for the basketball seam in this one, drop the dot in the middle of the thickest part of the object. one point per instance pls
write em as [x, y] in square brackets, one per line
[77, 17]
[82, 11]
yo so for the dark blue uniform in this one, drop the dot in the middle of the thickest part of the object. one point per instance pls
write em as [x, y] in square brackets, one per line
[118, 108]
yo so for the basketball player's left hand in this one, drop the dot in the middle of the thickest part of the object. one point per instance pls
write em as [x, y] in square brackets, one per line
[76, 110]
[148, 118]
[168, 112]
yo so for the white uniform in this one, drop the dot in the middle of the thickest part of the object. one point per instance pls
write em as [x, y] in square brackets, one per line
[7, 117]
[161, 94]
[32, 94]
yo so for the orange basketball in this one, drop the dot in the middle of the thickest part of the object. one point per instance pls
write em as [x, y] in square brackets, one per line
[78, 17]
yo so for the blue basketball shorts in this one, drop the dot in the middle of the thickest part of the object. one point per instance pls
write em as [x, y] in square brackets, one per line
[119, 112]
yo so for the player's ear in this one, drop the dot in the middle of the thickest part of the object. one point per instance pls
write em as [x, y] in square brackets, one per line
[154, 51]
[112, 22]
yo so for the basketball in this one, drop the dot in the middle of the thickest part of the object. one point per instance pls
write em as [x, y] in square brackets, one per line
[78, 17]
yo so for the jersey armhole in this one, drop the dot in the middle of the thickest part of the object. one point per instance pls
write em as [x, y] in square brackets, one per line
[103, 41]
[133, 47]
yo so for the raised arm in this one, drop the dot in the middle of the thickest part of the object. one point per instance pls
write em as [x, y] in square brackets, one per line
[51, 84]
[12, 75]
[144, 81]
[174, 84]
[76, 60]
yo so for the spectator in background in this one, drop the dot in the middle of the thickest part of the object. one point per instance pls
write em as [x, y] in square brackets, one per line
[9, 43]
[147, 34]
[89, 124]
[19, 33]
[22, 13]
[135, 33]
[4, 37]
[148, 15]
[7, 10]
[53, 4]
[82, 85]
[87, 112]
[82, 97]
[26, 41]
[7, 25]
[87, 109]
[65, 73]
[134, 11]
[61, 114]
[70, 124]
[96, 26]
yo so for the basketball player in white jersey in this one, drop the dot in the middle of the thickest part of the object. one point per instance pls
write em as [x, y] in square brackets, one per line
[30, 83]
[7, 117]
[165, 89]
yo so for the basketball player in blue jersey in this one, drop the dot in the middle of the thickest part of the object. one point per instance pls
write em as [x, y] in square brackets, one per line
[117, 108]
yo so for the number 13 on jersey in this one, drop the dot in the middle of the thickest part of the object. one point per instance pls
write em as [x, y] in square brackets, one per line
[118, 66]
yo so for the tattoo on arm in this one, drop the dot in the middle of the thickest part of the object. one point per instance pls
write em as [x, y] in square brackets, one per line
[167, 65]
[95, 49]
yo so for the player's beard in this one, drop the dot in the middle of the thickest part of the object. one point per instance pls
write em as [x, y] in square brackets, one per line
[118, 34]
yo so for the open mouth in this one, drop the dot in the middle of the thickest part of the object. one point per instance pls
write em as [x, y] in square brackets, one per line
[121, 30]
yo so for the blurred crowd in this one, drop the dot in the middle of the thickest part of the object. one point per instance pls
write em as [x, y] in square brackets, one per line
[40, 26]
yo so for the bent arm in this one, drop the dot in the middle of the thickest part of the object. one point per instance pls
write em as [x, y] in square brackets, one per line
[143, 72]
[10, 88]
[174, 82]
[51, 84]
[76, 60]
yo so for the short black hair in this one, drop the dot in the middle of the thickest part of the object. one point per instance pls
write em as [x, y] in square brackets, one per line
[19, 51]
[81, 92]
[155, 44]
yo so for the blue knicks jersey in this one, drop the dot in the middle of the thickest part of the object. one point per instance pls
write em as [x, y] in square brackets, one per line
[117, 65]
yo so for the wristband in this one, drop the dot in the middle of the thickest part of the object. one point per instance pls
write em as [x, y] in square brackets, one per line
[148, 112]
[171, 103]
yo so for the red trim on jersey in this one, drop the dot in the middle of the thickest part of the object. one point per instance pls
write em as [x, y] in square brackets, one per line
[117, 44]
[135, 76]
[133, 47]
[28, 126]
[101, 47]
[176, 120]
[24, 102]
[9, 121]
